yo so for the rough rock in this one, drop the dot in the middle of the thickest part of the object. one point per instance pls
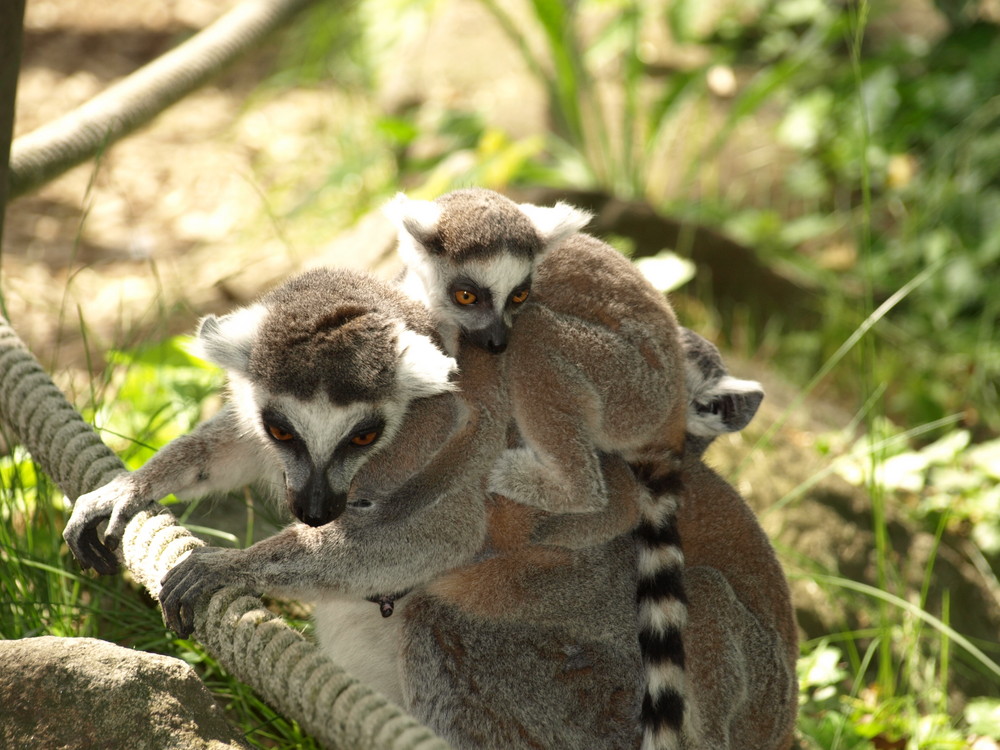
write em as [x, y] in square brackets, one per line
[85, 693]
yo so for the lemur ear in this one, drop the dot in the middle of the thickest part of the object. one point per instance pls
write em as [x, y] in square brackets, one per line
[717, 402]
[417, 219]
[423, 369]
[727, 406]
[556, 224]
[227, 341]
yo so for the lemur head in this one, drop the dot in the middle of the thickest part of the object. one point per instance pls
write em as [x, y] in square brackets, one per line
[322, 370]
[717, 402]
[470, 256]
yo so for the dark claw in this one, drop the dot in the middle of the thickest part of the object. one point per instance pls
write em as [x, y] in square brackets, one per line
[91, 553]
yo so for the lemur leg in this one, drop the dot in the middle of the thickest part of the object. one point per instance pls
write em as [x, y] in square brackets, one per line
[558, 469]
[579, 530]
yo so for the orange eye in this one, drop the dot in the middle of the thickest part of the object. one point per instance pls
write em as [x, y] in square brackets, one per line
[279, 434]
[465, 297]
[518, 297]
[364, 438]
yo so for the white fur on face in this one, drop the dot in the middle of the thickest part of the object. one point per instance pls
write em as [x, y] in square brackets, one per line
[423, 369]
[708, 424]
[501, 274]
[426, 279]
[322, 426]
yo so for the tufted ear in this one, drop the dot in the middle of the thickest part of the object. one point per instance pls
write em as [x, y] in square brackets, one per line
[717, 402]
[728, 406]
[556, 224]
[227, 341]
[417, 221]
[423, 369]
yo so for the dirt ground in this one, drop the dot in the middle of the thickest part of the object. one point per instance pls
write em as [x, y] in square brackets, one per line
[174, 221]
[150, 236]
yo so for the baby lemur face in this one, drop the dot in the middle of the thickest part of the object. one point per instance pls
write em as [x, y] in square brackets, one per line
[322, 371]
[470, 256]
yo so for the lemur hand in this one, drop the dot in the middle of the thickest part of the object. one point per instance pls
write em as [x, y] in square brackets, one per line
[193, 581]
[116, 502]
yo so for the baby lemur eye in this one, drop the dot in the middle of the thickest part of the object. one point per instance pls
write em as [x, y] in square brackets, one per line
[279, 434]
[465, 297]
[365, 438]
[519, 296]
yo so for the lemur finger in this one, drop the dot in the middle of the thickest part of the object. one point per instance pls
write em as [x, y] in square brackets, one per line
[174, 619]
[120, 516]
[86, 546]
[180, 590]
[115, 531]
[73, 534]
[183, 620]
[175, 615]
[99, 557]
[169, 598]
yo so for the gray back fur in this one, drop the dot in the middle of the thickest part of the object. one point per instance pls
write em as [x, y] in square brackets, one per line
[332, 331]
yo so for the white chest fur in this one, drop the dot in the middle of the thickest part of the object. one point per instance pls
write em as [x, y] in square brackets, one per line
[354, 635]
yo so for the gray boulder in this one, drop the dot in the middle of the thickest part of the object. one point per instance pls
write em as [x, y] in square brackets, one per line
[84, 693]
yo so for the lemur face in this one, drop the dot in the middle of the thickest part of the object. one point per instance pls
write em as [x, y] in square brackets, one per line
[482, 297]
[321, 446]
[323, 371]
[470, 256]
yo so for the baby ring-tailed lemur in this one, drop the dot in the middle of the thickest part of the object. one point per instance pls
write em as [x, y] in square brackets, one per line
[321, 372]
[594, 365]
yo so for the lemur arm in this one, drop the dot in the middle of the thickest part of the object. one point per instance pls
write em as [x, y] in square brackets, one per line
[216, 456]
[366, 552]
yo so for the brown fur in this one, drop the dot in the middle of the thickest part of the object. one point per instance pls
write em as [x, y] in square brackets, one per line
[741, 639]
[586, 372]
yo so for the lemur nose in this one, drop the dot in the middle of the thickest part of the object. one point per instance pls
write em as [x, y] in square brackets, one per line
[311, 520]
[496, 348]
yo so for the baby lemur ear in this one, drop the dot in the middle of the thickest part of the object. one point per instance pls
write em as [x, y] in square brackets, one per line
[717, 402]
[227, 341]
[726, 407]
[554, 225]
[418, 219]
[423, 370]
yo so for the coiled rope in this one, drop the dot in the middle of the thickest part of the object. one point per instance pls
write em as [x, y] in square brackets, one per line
[55, 147]
[253, 644]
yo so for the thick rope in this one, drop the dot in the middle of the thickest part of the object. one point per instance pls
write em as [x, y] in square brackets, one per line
[79, 135]
[253, 644]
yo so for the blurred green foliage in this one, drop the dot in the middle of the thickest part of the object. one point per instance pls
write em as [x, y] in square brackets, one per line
[160, 391]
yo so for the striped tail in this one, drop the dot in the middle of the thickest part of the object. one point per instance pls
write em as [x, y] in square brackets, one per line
[662, 607]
